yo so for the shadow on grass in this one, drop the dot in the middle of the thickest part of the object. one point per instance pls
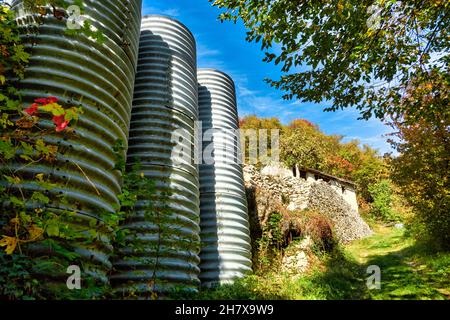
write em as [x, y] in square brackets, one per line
[412, 274]
[343, 279]
[408, 272]
[249, 288]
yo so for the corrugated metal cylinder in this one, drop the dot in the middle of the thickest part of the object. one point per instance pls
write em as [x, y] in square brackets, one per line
[98, 77]
[225, 235]
[167, 243]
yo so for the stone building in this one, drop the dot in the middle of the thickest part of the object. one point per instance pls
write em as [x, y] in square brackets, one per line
[305, 189]
[345, 188]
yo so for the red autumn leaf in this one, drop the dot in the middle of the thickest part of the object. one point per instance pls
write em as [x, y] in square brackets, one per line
[62, 126]
[60, 122]
[45, 101]
[42, 101]
[52, 100]
[33, 109]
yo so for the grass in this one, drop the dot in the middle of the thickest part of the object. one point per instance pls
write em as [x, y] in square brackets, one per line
[408, 271]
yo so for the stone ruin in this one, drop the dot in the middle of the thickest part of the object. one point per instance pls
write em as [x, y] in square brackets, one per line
[311, 190]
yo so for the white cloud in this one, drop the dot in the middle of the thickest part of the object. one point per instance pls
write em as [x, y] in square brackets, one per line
[173, 12]
[205, 52]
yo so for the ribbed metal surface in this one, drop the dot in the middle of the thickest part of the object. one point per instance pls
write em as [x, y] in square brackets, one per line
[98, 77]
[166, 99]
[225, 236]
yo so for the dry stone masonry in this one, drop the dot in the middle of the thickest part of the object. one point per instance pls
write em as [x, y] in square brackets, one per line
[296, 193]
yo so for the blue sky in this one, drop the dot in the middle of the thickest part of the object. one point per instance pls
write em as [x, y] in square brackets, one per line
[223, 46]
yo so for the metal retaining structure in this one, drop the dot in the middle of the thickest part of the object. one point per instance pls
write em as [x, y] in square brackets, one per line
[166, 241]
[225, 235]
[98, 77]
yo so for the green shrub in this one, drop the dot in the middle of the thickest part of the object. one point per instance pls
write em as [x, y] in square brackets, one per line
[382, 195]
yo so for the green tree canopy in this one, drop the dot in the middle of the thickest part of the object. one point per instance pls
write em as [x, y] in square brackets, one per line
[254, 122]
[359, 53]
[302, 143]
[423, 165]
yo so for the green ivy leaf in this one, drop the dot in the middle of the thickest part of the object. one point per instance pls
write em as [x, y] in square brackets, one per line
[52, 229]
[39, 197]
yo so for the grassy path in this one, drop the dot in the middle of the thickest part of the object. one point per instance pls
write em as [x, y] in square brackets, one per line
[408, 271]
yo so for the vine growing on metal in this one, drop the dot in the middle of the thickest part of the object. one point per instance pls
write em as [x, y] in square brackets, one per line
[25, 141]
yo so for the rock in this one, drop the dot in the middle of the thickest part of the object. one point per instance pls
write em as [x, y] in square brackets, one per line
[296, 263]
[306, 243]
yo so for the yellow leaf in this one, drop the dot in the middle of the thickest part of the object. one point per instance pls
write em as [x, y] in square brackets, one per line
[35, 232]
[17, 180]
[42, 11]
[40, 177]
[2, 79]
[340, 7]
[10, 243]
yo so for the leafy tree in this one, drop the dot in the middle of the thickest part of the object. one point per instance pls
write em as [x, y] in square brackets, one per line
[382, 195]
[370, 169]
[252, 122]
[342, 157]
[303, 144]
[299, 123]
[421, 170]
[351, 52]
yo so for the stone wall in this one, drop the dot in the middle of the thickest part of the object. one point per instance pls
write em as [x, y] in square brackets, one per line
[346, 189]
[295, 194]
[348, 224]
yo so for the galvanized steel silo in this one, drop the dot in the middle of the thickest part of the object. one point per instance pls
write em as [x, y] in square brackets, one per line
[99, 77]
[225, 236]
[165, 100]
